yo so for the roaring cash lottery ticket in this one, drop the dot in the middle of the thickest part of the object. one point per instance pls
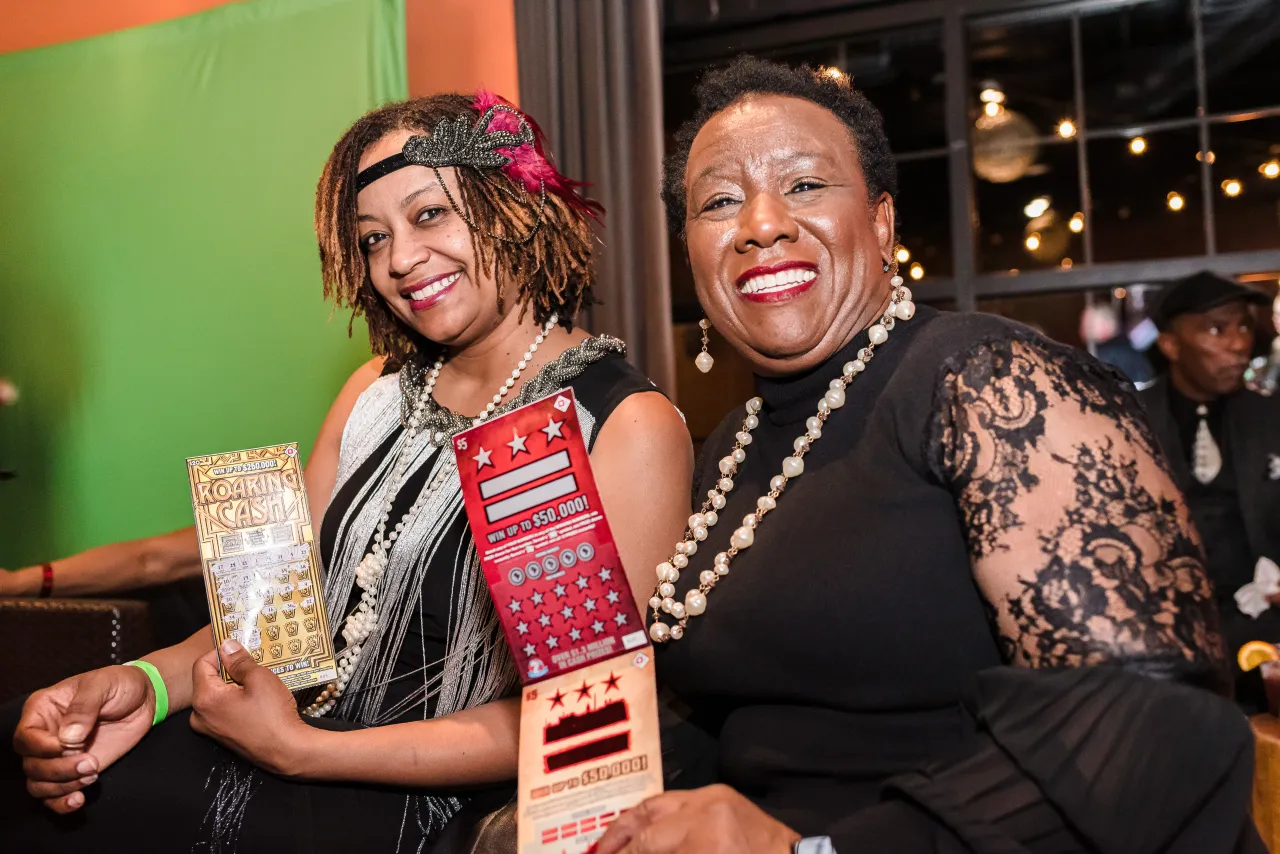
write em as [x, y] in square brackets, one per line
[261, 573]
[589, 746]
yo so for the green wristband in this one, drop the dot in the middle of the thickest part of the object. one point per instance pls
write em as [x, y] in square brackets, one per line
[157, 683]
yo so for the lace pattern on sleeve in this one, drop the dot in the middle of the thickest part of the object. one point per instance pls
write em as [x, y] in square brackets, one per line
[1079, 540]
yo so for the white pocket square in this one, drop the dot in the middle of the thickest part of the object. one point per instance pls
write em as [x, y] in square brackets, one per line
[1251, 599]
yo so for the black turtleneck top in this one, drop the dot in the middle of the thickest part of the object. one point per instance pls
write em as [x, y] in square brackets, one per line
[848, 675]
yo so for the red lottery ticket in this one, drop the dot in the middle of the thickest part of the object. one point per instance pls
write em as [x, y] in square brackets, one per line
[544, 543]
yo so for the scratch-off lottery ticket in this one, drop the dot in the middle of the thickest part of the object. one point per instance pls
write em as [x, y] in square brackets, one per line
[544, 542]
[257, 550]
[589, 750]
[589, 746]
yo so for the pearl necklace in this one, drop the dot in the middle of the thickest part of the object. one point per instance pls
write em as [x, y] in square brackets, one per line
[362, 621]
[695, 601]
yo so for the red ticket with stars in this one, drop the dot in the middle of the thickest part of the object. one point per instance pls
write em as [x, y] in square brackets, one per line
[544, 543]
[589, 743]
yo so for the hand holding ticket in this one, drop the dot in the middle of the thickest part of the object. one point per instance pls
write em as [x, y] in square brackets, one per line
[261, 574]
[589, 722]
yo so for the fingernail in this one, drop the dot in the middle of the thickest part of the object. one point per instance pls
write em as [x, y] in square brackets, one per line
[75, 799]
[89, 781]
[231, 647]
[73, 734]
[85, 767]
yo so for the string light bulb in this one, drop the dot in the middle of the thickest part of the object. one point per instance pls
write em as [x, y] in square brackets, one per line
[917, 271]
[991, 95]
[1175, 201]
[1270, 169]
[1232, 187]
[1066, 128]
[992, 109]
[903, 255]
[1076, 224]
[1036, 207]
[1138, 145]
[833, 73]
[1033, 241]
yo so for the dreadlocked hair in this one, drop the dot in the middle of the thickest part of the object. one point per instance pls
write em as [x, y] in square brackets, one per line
[550, 274]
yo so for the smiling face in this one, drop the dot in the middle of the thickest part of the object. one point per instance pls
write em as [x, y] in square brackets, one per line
[786, 248]
[421, 258]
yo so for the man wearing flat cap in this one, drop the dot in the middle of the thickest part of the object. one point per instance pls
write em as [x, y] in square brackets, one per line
[1223, 443]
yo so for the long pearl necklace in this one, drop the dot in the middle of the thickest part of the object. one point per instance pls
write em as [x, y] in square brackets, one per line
[361, 622]
[695, 601]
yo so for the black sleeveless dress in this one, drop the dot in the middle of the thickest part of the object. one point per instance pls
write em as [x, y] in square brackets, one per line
[157, 798]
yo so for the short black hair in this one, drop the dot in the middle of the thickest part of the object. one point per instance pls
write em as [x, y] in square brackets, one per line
[750, 75]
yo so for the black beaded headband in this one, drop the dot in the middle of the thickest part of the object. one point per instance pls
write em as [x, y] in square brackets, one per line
[455, 142]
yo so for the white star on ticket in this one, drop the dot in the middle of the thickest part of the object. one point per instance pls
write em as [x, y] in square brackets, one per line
[574, 634]
[567, 612]
[517, 444]
[530, 649]
[522, 627]
[559, 589]
[598, 626]
[605, 574]
[537, 598]
[612, 597]
[514, 606]
[620, 618]
[552, 643]
[552, 429]
[544, 621]
[589, 603]
[482, 459]
[582, 582]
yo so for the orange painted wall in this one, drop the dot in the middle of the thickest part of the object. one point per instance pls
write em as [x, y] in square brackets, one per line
[36, 23]
[461, 45]
[453, 45]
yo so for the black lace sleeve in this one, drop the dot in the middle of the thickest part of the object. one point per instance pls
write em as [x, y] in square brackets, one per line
[1079, 539]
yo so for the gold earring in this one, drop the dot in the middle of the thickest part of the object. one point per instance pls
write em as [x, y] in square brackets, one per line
[704, 360]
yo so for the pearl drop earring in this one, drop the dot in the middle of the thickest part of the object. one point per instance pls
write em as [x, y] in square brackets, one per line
[704, 361]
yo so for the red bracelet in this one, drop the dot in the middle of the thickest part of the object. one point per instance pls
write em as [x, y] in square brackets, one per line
[46, 583]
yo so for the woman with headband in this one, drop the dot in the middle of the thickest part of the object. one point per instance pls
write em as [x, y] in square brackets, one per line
[442, 221]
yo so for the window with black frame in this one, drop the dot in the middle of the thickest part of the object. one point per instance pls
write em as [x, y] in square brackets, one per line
[1116, 136]
[1112, 145]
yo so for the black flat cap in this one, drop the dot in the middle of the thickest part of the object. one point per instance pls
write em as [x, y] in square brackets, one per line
[1200, 292]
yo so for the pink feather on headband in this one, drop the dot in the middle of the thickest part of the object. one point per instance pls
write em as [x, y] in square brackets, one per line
[530, 166]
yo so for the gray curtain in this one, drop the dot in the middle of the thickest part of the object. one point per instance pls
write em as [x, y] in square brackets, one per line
[591, 75]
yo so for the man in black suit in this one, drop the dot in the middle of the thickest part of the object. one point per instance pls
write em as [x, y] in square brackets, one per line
[1223, 443]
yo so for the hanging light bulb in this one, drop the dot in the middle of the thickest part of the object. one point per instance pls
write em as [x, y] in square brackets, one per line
[1036, 207]
[902, 255]
[1270, 169]
[833, 73]
[1175, 201]
[1232, 187]
[917, 271]
[1138, 145]
[1077, 223]
[992, 109]
[1033, 241]
[1066, 128]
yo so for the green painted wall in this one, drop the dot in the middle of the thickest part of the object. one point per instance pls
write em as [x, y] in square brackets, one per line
[159, 283]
